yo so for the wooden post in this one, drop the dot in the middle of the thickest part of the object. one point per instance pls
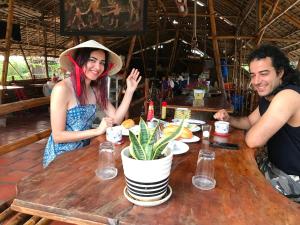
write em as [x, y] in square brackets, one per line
[45, 46]
[259, 13]
[143, 57]
[9, 26]
[215, 44]
[173, 54]
[30, 72]
[298, 66]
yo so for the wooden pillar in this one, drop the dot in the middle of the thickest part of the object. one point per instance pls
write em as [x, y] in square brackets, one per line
[298, 66]
[173, 54]
[143, 57]
[9, 26]
[215, 44]
[45, 46]
[259, 13]
[31, 75]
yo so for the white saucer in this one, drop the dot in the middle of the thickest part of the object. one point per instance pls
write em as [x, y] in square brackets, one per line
[199, 122]
[190, 140]
[150, 203]
[178, 147]
[135, 129]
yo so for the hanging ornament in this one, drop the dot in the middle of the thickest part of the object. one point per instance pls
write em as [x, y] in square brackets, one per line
[182, 7]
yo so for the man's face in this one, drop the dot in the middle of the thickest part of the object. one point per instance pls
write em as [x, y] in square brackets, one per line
[264, 77]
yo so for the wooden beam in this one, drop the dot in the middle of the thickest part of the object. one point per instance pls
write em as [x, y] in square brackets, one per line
[232, 37]
[24, 104]
[298, 66]
[281, 14]
[215, 44]
[288, 17]
[249, 7]
[259, 13]
[291, 45]
[261, 34]
[143, 57]
[24, 141]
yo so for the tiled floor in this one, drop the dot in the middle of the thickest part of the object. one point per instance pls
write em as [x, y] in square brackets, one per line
[27, 160]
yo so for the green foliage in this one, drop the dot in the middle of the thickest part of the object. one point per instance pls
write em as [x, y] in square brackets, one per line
[145, 146]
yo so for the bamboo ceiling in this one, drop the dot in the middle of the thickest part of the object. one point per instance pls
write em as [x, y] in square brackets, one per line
[237, 26]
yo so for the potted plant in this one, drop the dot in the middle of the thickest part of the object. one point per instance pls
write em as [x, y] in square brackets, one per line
[147, 162]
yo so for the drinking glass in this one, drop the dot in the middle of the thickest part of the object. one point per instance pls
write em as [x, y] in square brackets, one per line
[206, 128]
[204, 175]
[106, 166]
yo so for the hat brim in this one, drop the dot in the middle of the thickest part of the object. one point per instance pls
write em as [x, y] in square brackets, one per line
[113, 58]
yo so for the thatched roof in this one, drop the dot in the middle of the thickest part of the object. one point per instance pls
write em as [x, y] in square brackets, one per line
[236, 24]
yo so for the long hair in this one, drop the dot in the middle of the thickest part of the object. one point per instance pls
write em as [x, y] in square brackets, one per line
[99, 85]
[280, 62]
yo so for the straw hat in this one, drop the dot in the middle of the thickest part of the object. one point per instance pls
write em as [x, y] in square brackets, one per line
[112, 58]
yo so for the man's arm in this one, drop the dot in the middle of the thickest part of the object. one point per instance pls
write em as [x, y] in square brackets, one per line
[283, 107]
[238, 122]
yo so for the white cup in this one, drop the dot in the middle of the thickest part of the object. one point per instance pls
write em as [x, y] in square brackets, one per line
[114, 134]
[221, 127]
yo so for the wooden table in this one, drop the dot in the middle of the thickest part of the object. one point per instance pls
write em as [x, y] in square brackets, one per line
[69, 191]
[209, 104]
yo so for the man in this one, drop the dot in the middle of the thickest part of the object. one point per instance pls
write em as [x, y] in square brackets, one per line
[276, 121]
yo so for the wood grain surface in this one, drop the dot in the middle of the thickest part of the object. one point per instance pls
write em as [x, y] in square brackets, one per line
[69, 191]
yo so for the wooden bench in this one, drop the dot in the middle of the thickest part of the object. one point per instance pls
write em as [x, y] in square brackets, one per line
[10, 217]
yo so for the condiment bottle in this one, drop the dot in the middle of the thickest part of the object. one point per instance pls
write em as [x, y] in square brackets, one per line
[150, 111]
[163, 110]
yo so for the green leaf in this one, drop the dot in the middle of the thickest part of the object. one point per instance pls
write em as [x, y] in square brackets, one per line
[144, 133]
[137, 148]
[159, 150]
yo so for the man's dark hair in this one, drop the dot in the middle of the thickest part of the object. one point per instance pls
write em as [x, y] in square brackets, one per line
[280, 62]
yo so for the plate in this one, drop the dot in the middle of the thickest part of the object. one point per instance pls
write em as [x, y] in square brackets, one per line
[199, 122]
[191, 127]
[178, 147]
[149, 203]
[135, 129]
[190, 140]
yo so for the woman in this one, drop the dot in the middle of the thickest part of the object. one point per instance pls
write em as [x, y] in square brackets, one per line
[74, 99]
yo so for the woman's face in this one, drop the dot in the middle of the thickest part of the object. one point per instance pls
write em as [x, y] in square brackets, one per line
[94, 67]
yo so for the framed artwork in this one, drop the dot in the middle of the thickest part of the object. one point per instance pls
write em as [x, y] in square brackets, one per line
[102, 17]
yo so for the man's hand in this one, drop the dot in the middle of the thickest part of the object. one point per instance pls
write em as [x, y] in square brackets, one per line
[222, 115]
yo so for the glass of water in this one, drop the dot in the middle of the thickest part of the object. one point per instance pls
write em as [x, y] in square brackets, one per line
[106, 166]
[204, 175]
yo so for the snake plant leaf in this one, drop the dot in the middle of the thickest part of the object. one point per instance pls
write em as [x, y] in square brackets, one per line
[137, 148]
[159, 150]
[131, 152]
[144, 133]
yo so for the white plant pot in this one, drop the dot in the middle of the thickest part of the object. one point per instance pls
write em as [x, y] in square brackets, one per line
[147, 180]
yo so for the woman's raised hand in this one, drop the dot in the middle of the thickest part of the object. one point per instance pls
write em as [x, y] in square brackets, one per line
[133, 80]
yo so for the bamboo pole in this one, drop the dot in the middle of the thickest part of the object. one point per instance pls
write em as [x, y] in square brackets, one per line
[259, 13]
[298, 66]
[173, 54]
[281, 14]
[7, 45]
[252, 4]
[143, 57]
[261, 34]
[231, 37]
[23, 53]
[45, 47]
[33, 220]
[215, 44]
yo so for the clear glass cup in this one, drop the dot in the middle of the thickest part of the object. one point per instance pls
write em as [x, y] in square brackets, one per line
[106, 165]
[206, 128]
[204, 175]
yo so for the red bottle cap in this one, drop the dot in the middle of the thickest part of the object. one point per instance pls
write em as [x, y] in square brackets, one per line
[151, 103]
[164, 103]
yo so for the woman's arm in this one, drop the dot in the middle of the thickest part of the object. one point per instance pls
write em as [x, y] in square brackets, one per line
[60, 98]
[118, 114]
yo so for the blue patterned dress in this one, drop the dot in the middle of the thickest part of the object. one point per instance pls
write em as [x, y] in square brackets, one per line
[78, 118]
